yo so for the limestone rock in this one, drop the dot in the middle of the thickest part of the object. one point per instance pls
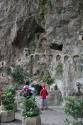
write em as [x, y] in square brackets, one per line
[37, 25]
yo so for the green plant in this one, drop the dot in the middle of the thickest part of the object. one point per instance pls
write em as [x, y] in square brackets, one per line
[47, 78]
[30, 108]
[74, 107]
[18, 74]
[8, 100]
[42, 9]
[59, 71]
[67, 122]
[10, 89]
[18, 86]
[8, 71]
[1, 69]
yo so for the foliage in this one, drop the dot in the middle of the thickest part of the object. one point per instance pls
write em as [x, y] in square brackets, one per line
[74, 107]
[18, 86]
[47, 78]
[18, 74]
[1, 69]
[8, 101]
[42, 8]
[8, 71]
[10, 89]
[30, 108]
[67, 122]
[59, 71]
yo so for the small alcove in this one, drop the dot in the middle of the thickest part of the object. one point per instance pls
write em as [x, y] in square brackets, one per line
[66, 58]
[58, 57]
[56, 46]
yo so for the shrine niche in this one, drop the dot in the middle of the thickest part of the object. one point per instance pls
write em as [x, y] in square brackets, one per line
[50, 58]
[81, 36]
[58, 57]
[43, 44]
[81, 66]
[2, 64]
[26, 53]
[66, 57]
[36, 57]
[75, 58]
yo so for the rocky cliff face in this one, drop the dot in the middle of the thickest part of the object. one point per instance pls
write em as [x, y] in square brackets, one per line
[50, 30]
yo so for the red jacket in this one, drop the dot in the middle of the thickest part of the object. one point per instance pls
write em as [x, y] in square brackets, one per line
[43, 93]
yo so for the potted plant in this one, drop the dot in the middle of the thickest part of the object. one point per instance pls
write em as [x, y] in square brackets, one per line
[8, 105]
[30, 112]
[74, 108]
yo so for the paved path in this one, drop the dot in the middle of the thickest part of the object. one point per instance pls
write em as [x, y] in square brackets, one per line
[52, 116]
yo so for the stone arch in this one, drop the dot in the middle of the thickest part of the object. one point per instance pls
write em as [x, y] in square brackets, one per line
[66, 57]
[25, 52]
[42, 42]
[75, 58]
[50, 57]
[58, 57]
[37, 57]
[32, 59]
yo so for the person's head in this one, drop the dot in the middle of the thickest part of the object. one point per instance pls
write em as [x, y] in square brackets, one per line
[27, 82]
[26, 88]
[43, 86]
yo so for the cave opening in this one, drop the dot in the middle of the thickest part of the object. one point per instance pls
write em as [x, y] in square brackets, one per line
[26, 33]
[82, 37]
[55, 46]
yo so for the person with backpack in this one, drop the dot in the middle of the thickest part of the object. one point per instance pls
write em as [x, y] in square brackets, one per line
[44, 94]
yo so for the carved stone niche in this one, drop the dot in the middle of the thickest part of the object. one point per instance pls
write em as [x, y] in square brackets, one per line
[58, 57]
[66, 58]
[76, 58]
[32, 58]
[43, 44]
[36, 57]
[2, 63]
[26, 52]
[81, 36]
[50, 58]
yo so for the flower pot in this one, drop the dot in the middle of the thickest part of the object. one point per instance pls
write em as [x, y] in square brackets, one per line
[7, 116]
[36, 120]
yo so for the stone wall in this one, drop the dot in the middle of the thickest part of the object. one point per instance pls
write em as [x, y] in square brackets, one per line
[47, 30]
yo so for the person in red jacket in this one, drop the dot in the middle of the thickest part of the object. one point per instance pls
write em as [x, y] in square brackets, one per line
[43, 94]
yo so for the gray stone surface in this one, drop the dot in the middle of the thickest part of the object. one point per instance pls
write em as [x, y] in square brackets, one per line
[52, 116]
[21, 28]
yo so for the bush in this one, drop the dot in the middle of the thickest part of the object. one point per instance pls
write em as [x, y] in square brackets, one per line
[74, 107]
[67, 122]
[10, 89]
[8, 71]
[18, 74]
[30, 108]
[8, 100]
[47, 79]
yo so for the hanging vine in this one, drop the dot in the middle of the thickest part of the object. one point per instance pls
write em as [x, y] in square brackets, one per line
[42, 8]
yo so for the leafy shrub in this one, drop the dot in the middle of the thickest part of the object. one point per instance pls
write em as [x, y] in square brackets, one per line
[8, 100]
[30, 108]
[10, 89]
[74, 107]
[47, 79]
[18, 74]
[8, 71]
[67, 122]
